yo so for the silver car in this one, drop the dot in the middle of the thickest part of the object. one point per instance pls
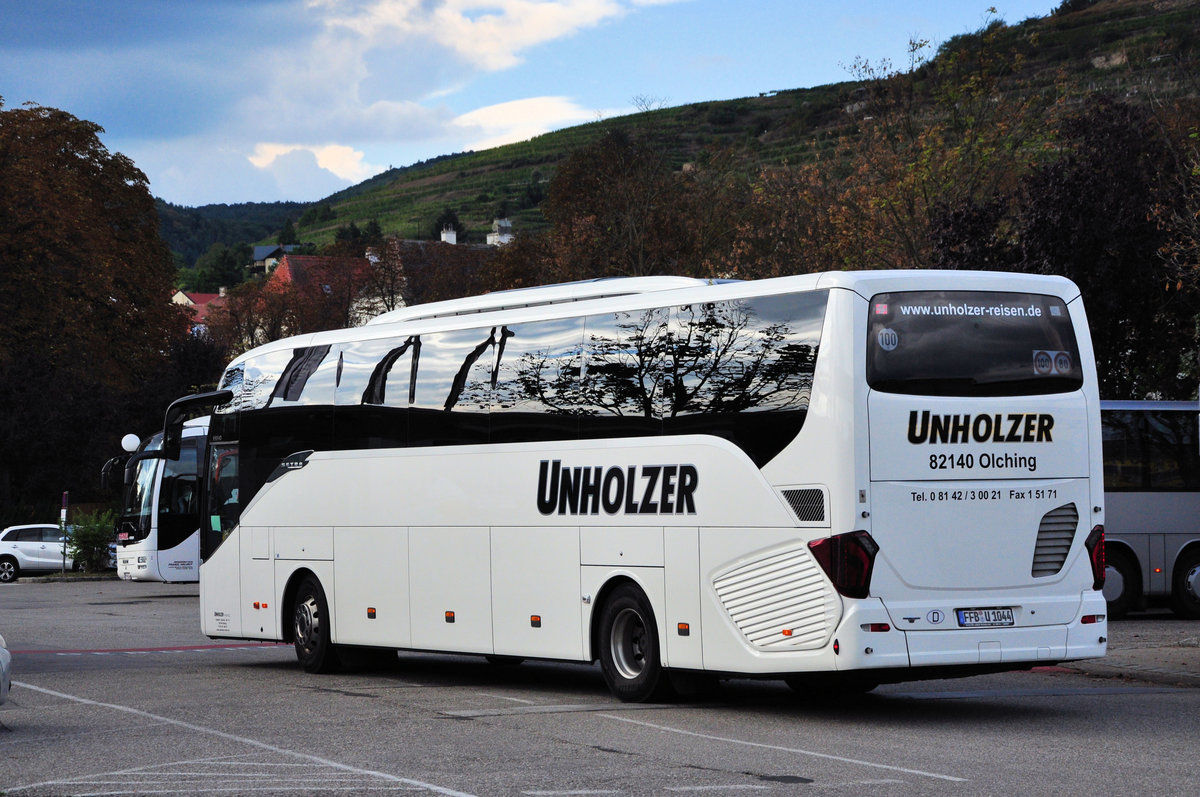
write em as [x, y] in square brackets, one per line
[38, 547]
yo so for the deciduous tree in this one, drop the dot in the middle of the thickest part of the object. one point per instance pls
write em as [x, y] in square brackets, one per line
[85, 320]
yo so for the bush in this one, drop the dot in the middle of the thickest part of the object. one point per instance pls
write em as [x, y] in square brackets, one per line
[90, 537]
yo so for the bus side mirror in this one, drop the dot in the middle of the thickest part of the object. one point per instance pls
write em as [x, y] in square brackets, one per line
[173, 422]
[110, 467]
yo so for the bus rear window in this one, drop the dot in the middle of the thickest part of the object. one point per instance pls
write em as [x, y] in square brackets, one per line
[971, 343]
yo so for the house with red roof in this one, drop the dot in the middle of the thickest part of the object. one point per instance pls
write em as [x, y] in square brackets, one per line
[199, 304]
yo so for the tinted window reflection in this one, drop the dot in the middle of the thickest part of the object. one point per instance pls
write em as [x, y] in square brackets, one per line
[537, 394]
[621, 390]
[452, 394]
[729, 363]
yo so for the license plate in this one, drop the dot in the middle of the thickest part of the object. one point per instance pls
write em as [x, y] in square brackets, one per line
[984, 618]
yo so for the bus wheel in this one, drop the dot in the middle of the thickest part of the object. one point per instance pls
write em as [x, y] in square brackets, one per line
[629, 655]
[1122, 582]
[1185, 591]
[311, 628]
[9, 570]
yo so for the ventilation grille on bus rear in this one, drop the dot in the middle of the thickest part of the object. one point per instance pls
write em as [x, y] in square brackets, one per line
[808, 504]
[780, 601]
[1054, 538]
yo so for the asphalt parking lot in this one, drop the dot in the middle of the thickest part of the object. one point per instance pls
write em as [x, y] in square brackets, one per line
[117, 692]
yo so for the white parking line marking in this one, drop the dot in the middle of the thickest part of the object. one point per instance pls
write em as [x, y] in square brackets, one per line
[782, 749]
[506, 697]
[730, 787]
[568, 708]
[228, 736]
[567, 793]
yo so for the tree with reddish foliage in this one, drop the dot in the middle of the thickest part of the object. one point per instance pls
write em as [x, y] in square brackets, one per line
[85, 321]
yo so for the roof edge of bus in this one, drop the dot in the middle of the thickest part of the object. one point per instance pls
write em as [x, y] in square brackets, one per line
[867, 283]
[682, 289]
[558, 293]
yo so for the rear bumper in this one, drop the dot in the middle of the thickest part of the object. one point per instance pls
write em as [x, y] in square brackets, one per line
[965, 647]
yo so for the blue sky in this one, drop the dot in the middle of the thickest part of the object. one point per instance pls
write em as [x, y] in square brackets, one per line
[265, 100]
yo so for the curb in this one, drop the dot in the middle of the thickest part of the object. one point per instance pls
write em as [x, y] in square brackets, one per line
[1178, 665]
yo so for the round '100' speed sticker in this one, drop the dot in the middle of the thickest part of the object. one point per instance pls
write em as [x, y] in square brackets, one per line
[888, 339]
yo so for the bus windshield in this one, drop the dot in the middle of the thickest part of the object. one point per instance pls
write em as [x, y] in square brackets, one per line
[971, 343]
[138, 511]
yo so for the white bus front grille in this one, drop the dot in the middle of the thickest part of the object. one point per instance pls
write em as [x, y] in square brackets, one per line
[780, 601]
[1055, 535]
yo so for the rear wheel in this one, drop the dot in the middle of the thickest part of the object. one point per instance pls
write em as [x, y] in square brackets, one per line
[9, 570]
[1122, 582]
[310, 619]
[1185, 587]
[629, 653]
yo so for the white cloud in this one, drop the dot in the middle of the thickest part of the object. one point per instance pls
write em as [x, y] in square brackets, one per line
[345, 162]
[519, 120]
[488, 34]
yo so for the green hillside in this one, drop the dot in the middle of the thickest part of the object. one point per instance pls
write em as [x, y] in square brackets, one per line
[1136, 49]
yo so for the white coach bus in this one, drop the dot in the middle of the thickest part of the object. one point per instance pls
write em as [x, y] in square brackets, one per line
[860, 477]
[158, 530]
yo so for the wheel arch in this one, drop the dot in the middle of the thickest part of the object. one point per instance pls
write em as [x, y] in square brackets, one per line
[1184, 554]
[288, 604]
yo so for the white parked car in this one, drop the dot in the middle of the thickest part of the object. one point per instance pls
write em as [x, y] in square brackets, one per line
[5, 670]
[33, 548]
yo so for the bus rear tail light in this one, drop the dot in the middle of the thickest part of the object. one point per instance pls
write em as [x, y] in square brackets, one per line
[1095, 549]
[847, 559]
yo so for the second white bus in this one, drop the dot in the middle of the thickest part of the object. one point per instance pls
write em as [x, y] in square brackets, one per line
[878, 476]
[1152, 484]
[158, 530]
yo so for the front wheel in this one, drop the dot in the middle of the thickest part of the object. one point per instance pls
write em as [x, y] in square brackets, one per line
[629, 653]
[310, 619]
[9, 570]
[1185, 587]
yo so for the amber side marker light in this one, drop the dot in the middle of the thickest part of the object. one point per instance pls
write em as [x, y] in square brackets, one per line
[449, 617]
[684, 629]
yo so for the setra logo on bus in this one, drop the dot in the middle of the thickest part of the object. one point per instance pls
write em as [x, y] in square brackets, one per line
[632, 490]
[1016, 427]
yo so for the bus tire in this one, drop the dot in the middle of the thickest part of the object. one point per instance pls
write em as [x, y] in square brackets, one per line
[1122, 582]
[9, 570]
[310, 619]
[1185, 586]
[629, 652]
